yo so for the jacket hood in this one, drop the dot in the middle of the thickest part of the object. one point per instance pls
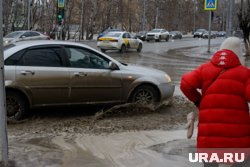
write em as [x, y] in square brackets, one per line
[225, 59]
[233, 44]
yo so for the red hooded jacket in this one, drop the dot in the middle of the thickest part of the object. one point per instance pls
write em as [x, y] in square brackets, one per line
[224, 120]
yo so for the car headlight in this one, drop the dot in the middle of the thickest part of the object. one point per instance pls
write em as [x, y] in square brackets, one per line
[6, 42]
[168, 78]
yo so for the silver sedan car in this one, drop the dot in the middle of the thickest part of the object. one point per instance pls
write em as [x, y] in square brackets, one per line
[23, 36]
[47, 73]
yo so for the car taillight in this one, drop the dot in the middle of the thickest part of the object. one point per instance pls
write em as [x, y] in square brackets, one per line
[113, 40]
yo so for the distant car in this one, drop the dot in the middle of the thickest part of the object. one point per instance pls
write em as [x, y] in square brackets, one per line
[238, 33]
[198, 33]
[23, 36]
[107, 31]
[157, 35]
[52, 73]
[120, 40]
[141, 35]
[221, 34]
[175, 34]
[206, 34]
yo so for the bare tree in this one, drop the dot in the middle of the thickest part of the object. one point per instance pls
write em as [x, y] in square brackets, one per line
[244, 21]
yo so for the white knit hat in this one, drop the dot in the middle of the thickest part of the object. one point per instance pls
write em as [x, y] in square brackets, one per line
[233, 44]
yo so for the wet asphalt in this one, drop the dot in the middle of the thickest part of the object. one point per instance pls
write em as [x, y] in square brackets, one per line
[175, 57]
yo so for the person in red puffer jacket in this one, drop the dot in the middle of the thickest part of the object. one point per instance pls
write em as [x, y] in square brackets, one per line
[224, 120]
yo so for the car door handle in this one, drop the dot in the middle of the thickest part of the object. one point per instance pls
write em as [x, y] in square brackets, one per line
[80, 74]
[27, 72]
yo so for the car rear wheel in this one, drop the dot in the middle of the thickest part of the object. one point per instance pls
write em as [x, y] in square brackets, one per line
[16, 105]
[139, 48]
[145, 94]
[123, 48]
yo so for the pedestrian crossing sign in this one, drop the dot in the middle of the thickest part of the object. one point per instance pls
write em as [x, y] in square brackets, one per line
[210, 5]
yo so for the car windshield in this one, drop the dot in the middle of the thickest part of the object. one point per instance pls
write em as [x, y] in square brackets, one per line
[13, 35]
[173, 32]
[142, 32]
[201, 30]
[155, 30]
[113, 34]
[110, 30]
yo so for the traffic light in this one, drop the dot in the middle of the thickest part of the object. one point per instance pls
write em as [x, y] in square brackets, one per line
[60, 15]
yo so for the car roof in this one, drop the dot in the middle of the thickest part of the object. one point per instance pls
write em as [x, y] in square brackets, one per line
[158, 29]
[25, 31]
[25, 44]
[46, 42]
[122, 32]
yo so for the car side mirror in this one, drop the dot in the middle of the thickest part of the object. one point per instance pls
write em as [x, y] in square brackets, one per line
[113, 66]
[22, 36]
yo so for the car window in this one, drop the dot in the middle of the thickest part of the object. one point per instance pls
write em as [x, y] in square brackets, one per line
[26, 34]
[34, 34]
[129, 35]
[112, 34]
[14, 34]
[14, 59]
[46, 57]
[124, 35]
[84, 58]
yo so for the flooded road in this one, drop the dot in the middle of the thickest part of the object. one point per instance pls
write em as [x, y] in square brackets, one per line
[135, 137]
[174, 57]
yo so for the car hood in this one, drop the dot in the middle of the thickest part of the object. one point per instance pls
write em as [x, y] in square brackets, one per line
[199, 32]
[8, 39]
[153, 33]
[143, 70]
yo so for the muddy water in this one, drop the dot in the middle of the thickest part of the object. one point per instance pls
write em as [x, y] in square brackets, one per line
[119, 150]
[120, 140]
[127, 149]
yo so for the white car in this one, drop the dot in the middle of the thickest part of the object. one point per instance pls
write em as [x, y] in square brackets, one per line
[23, 36]
[119, 41]
[157, 35]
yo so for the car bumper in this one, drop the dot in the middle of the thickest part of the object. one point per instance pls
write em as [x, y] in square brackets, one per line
[167, 90]
[152, 37]
[109, 46]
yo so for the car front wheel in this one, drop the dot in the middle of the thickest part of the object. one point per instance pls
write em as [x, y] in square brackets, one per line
[16, 105]
[139, 48]
[145, 94]
[167, 38]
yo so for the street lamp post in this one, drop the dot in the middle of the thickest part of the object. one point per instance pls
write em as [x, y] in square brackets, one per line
[3, 122]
